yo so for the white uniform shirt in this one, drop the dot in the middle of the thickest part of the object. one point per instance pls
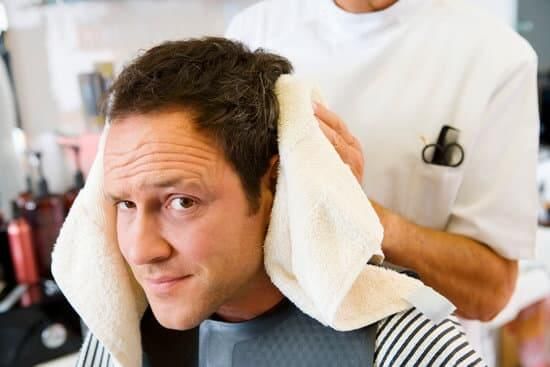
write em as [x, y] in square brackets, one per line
[396, 77]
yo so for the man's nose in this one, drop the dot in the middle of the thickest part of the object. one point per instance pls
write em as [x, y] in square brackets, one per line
[146, 245]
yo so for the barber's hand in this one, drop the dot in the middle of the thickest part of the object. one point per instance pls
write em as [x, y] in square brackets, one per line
[347, 145]
[350, 151]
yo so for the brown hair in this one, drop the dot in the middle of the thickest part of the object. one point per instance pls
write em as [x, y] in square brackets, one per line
[229, 89]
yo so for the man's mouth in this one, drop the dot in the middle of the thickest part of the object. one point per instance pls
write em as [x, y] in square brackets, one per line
[165, 284]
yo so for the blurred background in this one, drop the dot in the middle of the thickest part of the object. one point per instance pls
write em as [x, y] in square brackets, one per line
[57, 59]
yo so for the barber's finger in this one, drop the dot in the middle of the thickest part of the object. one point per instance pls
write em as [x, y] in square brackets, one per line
[339, 141]
[350, 154]
[356, 144]
[335, 139]
[333, 120]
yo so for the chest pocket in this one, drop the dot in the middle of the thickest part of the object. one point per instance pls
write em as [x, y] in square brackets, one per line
[433, 190]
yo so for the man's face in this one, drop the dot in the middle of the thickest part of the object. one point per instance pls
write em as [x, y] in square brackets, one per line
[184, 224]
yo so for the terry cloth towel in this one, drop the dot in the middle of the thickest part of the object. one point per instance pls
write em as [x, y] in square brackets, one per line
[322, 234]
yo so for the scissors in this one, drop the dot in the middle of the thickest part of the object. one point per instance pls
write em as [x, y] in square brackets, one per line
[446, 151]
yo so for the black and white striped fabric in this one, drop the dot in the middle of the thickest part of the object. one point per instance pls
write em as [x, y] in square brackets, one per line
[93, 354]
[405, 339]
[411, 339]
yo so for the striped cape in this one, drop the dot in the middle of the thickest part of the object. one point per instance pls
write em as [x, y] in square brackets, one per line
[405, 339]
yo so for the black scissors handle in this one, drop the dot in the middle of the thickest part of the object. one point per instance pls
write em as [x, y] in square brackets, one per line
[443, 155]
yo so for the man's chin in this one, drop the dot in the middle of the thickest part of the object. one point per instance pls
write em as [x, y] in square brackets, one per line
[178, 317]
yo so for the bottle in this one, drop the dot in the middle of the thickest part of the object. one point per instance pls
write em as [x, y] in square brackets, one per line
[26, 195]
[7, 274]
[71, 194]
[46, 214]
[2, 217]
[23, 257]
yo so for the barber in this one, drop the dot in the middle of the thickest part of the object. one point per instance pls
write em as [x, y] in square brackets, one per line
[439, 99]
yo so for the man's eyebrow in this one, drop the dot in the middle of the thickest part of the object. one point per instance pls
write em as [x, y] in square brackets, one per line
[112, 197]
[156, 182]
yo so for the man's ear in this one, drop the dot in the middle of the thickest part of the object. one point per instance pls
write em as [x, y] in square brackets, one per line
[272, 173]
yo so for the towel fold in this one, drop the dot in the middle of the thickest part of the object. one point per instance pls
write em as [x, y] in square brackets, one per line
[322, 234]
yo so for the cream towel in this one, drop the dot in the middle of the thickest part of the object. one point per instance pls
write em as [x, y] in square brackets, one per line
[323, 231]
[90, 270]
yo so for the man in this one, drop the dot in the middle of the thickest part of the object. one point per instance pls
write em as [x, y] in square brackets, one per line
[398, 72]
[191, 165]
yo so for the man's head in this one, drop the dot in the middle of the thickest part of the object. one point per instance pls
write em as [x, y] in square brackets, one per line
[190, 163]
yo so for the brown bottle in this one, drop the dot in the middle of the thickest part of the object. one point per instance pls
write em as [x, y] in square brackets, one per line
[24, 257]
[71, 194]
[7, 274]
[26, 195]
[45, 214]
[2, 218]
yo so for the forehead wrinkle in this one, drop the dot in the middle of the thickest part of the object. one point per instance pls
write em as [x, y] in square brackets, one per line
[160, 171]
[136, 157]
[155, 159]
[140, 176]
[154, 145]
[126, 186]
[146, 148]
[167, 180]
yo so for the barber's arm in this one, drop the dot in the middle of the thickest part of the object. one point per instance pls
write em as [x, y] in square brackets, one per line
[497, 206]
[472, 276]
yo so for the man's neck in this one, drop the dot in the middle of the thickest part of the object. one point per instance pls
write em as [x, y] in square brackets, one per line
[259, 298]
[364, 6]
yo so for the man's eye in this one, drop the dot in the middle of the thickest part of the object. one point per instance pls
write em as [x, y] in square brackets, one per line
[125, 205]
[181, 203]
